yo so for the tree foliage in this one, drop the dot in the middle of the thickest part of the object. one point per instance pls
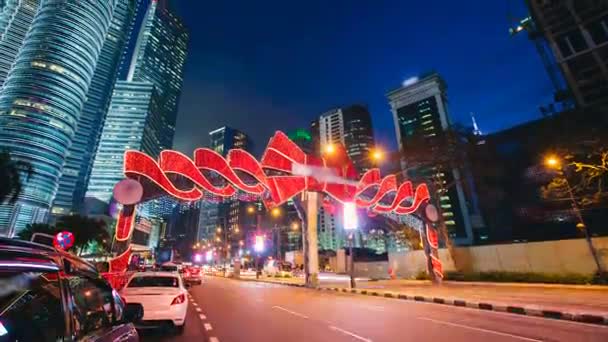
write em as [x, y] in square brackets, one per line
[12, 174]
[87, 231]
[585, 170]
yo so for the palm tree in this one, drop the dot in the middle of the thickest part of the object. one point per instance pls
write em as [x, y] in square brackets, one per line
[86, 230]
[11, 173]
[30, 229]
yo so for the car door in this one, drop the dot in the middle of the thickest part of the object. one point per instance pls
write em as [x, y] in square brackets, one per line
[97, 311]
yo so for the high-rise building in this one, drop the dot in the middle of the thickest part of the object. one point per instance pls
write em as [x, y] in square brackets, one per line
[577, 32]
[230, 212]
[159, 58]
[420, 113]
[133, 122]
[149, 98]
[15, 20]
[79, 161]
[43, 95]
[352, 128]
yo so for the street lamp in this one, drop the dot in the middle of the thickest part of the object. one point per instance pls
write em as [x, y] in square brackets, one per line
[219, 230]
[329, 149]
[275, 212]
[295, 226]
[377, 155]
[555, 162]
[250, 209]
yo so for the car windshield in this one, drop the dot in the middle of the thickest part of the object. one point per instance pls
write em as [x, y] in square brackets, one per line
[154, 282]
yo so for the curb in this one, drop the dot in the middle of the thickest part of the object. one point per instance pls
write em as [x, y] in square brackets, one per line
[512, 309]
[515, 309]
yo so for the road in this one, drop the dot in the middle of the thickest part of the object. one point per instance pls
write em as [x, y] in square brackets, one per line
[228, 310]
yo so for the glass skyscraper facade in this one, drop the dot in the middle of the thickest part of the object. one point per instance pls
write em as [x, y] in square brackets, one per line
[159, 58]
[133, 123]
[79, 162]
[43, 95]
[15, 20]
[420, 112]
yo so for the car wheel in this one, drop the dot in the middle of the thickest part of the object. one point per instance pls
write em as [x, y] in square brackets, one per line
[179, 329]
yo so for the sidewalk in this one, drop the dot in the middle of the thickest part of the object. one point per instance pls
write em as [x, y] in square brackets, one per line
[574, 302]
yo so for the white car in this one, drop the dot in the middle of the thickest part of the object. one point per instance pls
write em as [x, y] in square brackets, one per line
[163, 296]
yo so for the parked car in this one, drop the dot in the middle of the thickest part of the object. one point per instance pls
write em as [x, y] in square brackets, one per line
[163, 296]
[51, 295]
[169, 267]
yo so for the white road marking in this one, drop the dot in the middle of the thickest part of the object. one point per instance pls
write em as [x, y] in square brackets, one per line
[202, 317]
[208, 326]
[480, 329]
[291, 312]
[350, 333]
[199, 309]
[194, 303]
[214, 339]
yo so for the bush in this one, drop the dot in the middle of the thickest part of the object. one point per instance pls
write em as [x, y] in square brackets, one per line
[422, 275]
[522, 277]
[286, 275]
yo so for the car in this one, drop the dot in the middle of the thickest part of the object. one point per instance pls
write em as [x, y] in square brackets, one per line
[52, 295]
[164, 298]
[192, 275]
[169, 267]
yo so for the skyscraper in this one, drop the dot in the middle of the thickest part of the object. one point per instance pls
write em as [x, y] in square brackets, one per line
[231, 211]
[159, 58]
[351, 127]
[133, 123]
[420, 112]
[143, 108]
[577, 32]
[15, 21]
[42, 98]
[79, 162]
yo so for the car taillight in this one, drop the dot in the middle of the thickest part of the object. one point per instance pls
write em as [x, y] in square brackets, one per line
[179, 299]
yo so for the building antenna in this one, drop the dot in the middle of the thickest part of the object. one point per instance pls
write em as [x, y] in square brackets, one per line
[476, 130]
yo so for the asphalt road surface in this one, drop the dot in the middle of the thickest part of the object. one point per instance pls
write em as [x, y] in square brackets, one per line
[228, 310]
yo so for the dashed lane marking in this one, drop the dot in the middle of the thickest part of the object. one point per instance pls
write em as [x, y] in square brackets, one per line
[214, 339]
[199, 309]
[346, 332]
[291, 312]
[194, 303]
[202, 317]
[480, 329]
[208, 326]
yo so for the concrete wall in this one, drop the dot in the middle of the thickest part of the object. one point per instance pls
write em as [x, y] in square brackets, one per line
[563, 256]
[372, 269]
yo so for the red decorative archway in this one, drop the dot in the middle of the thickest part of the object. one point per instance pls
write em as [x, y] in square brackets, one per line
[280, 175]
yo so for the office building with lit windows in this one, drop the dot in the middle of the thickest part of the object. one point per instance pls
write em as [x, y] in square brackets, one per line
[16, 18]
[420, 110]
[42, 98]
[79, 161]
[351, 127]
[134, 122]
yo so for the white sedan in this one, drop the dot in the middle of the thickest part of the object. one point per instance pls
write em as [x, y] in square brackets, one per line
[163, 296]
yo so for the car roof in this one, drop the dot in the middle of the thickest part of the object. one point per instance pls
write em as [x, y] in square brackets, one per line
[21, 248]
[156, 274]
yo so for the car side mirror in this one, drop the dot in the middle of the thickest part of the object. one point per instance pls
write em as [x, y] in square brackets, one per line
[133, 312]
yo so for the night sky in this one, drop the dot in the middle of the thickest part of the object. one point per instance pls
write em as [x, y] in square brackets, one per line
[260, 66]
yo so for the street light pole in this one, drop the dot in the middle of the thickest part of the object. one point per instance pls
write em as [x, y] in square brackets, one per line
[351, 266]
[581, 225]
